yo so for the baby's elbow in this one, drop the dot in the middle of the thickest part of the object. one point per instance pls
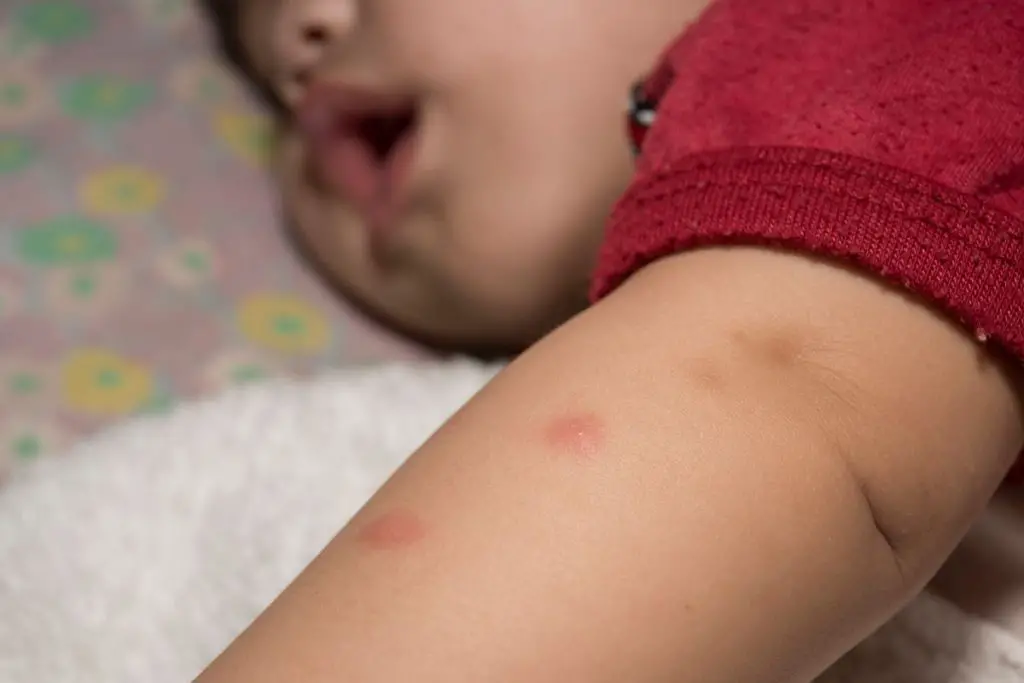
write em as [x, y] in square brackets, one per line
[923, 464]
[831, 411]
[916, 421]
[922, 452]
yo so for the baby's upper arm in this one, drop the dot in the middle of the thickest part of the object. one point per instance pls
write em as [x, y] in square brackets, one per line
[885, 137]
[925, 418]
[731, 427]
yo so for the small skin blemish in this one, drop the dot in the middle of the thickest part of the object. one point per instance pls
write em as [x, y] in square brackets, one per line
[392, 530]
[707, 374]
[778, 348]
[579, 435]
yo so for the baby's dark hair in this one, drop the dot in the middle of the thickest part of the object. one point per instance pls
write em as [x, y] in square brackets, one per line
[225, 18]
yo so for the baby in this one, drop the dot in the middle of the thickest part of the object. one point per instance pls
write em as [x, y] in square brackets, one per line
[454, 176]
[798, 384]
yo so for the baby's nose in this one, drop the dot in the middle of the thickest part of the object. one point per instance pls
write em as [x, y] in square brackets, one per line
[307, 30]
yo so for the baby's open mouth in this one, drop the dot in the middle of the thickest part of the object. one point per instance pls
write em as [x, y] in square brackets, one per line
[360, 146]
[381, 131]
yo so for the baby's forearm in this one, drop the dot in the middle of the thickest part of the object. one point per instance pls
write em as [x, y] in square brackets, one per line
[651, 494]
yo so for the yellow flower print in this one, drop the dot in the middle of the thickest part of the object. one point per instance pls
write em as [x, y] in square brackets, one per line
[283, 323]
[122, 190]
[100, 382]
[248, 135]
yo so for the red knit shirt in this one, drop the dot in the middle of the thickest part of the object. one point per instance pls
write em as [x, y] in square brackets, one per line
[888, 134]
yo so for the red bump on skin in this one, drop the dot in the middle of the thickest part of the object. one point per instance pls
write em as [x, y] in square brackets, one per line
[392, 530]
[579, 435]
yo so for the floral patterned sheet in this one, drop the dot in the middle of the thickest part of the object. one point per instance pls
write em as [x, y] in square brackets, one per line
[142, 261]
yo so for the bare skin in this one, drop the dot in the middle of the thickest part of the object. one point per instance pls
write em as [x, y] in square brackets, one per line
[732, 429]
[505, 198]
[784, 464]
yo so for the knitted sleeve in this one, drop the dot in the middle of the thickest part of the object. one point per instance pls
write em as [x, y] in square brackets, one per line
[887, 134]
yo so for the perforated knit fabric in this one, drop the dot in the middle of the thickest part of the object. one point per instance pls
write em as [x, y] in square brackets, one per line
[888, 135]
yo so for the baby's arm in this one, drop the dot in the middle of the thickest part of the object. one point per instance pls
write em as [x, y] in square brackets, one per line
[732, 469]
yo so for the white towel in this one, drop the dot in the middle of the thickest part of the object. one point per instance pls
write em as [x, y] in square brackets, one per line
[141, 554]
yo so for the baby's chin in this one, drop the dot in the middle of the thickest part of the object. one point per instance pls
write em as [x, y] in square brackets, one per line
[333, 240]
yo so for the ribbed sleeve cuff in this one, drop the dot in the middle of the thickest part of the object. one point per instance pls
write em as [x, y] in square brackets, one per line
[950, 248]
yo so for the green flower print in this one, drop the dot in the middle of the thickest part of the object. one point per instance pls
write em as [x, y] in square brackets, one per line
[13, 94]
[25, 440]
[161, 403]
[67, 240]
[27, 446]
[83, 285]
[24, 383]
[21, 99]
[104, 99]
[248, 373]
[54, 21]
[16, 153]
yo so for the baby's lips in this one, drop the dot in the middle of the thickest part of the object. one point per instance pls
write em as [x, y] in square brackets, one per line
[316, 116]
[329, 107]
[338, 159]
[347, 167]
[332, 121]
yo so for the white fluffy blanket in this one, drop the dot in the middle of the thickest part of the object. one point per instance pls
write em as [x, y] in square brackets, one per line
[141, 554]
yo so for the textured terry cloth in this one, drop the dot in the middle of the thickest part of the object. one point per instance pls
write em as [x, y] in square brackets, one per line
[888, 135]
[140, 555]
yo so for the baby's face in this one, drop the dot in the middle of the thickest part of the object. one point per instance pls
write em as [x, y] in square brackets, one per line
[450, 163]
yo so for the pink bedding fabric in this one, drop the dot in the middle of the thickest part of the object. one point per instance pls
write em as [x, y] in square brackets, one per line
[142, 261]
